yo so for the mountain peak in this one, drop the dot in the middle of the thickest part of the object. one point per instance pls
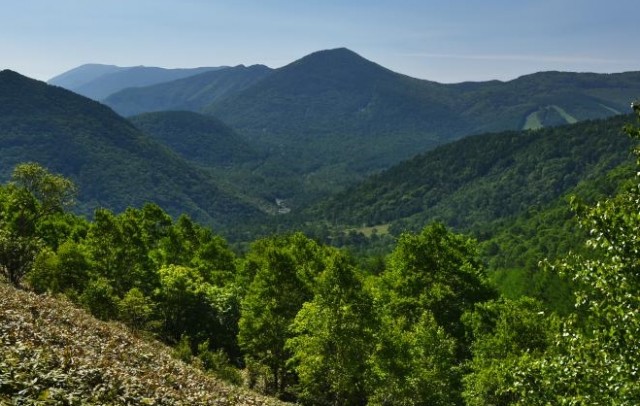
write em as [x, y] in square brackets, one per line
[8, 73]
[83, 74]
[336, 55]
[337, 63]
[336, 52]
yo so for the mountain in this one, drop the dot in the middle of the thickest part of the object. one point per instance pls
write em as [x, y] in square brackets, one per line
[336, 107]
[473, 182]
[548, 98]
[99, 81]
[113, 163]
[54, 353]
[192, 93]
[337, 117]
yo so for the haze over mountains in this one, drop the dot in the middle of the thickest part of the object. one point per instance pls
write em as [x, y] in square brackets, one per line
[191, 93]
[98, 81]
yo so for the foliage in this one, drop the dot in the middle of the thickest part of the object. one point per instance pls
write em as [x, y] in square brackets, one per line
[430, 280]
[33, 196]
[334, 337]
[54, 193]
[218, 362]
[135, 308]
[100, 299]
[283, 271]
[438, 271]
[506, 335]
[17, 256]
[414, 364]
[65, 271]
[595, 357]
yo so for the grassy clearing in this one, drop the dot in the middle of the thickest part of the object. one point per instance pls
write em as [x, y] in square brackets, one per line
[382, 229]
[611, 109]
[567, 117]
[532, 122]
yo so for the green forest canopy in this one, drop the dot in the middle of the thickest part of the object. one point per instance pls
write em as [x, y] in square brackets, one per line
[307, 323]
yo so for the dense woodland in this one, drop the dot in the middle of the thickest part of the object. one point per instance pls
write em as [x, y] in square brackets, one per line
[304, 321]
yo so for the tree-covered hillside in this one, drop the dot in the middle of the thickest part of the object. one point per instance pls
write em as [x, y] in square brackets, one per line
[197, 138]
[113, 163]
[470, 183]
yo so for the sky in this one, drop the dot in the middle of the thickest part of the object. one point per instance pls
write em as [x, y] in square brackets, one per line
[446, 41]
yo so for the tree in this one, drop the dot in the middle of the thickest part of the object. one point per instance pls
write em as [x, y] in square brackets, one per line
[100, 299]
[414, 364]
[17, 255]
[65, 271]
[430, 280]
[506, 334]
[32, 196]
[334, 337]
[119, 252]
[284, 270]
[135, 309]
[53, 192]
[436, 271]
[182, 302]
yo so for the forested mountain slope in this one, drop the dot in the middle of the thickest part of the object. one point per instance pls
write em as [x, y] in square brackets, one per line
[113, 163]
[83, 74]
[197, 138]
[474, 181]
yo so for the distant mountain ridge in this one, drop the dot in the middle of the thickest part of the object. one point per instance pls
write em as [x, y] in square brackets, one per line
[99, 81]
[192, 93]
[83, 74]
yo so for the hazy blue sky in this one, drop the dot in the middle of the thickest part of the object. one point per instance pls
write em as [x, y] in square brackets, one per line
[441, 40]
